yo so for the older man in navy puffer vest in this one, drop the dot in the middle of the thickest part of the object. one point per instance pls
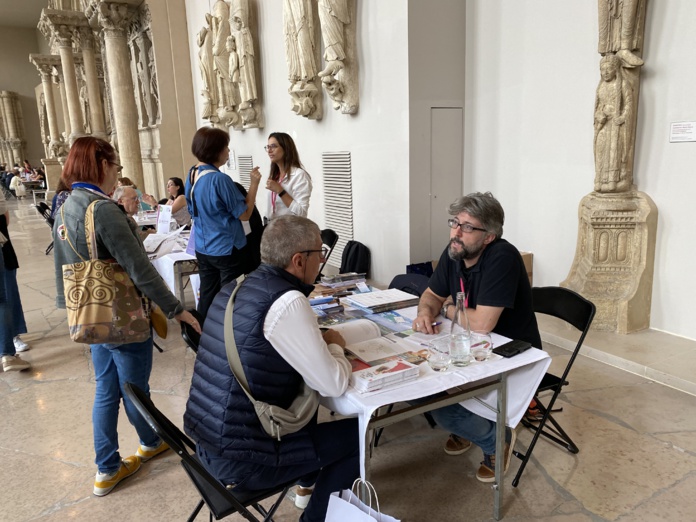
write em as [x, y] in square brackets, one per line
[280, 345]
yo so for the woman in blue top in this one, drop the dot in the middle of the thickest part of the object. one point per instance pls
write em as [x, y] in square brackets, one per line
[220, 215]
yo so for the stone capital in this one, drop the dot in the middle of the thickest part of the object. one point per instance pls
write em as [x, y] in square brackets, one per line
[45, 63]
[85, 38]
[58, 26]
[115, 18]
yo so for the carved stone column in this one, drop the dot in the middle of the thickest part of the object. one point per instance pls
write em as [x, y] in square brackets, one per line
[58, 80]
[87, 43]
[115, 19]
[14, 131]
[45, 65]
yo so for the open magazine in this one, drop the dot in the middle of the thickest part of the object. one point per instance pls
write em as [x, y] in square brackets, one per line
[378, 361]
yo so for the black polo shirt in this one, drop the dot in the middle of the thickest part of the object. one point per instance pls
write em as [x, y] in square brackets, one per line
[497, 279]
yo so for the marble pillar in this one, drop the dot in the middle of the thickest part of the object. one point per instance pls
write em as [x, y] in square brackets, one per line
[87, 44]
[45, 65]
[115, 18]
[14, 131]
[72, 94]
[58, 80]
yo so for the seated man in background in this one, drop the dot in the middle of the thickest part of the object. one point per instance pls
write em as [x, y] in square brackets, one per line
[280, 346]
[127, 197]
[491, 273]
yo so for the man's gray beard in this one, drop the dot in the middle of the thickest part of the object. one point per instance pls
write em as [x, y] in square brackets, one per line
[464, 253]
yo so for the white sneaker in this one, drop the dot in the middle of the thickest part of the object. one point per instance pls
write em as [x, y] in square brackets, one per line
[20, 346]
[302, 496]
[14, 363]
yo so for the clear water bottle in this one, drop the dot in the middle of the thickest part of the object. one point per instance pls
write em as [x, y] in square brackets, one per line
[460, 334]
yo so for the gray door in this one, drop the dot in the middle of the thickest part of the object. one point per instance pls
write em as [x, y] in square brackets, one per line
[446, 176]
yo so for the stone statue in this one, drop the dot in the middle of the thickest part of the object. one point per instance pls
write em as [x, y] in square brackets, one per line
[333, 16]
[144, 106]
[612, 130]
[245, 75]
[154, 87]
[84, 104]
[621, 29]
[227, 98]
[300, 51]
[205, 63]
[339, 76]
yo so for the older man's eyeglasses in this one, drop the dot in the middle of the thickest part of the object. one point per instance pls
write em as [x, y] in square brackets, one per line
[464, 227]
[324, 252]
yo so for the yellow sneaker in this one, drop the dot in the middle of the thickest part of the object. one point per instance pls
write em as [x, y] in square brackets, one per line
[105, 482]
[147, 452]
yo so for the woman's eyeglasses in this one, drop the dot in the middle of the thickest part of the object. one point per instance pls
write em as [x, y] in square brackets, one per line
[269, 148]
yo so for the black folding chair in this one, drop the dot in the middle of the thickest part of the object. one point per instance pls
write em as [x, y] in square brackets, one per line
[221, 501]
[414, 284]
[46, 214]
[579, 312]
[328, 238]
[191, 337]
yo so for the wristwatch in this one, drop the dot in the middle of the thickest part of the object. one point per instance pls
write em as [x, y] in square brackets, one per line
[445, 307]
[282, 193]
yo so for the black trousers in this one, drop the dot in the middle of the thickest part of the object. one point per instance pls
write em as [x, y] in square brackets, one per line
[216, 272]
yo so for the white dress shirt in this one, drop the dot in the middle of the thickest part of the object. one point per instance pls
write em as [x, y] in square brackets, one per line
[299, 185]
[291, 327]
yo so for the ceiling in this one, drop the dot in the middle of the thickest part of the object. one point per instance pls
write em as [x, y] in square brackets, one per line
[21, 13]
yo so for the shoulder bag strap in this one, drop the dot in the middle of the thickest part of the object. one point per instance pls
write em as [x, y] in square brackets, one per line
[67, 236]
[231, 346]
[90, 234]
[194, 179]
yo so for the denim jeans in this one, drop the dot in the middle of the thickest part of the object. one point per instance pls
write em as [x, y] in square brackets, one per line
[337, 446]
[460, 421]
[6, 328]
[19, 326]
[114, 366]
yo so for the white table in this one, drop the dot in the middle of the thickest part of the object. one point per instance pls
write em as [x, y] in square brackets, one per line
[476, 387]
[147, 219]
[173, 268]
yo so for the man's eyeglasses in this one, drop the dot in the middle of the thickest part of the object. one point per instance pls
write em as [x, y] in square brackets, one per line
[119, 167]
[324, 252]
[464, 227]
[269, 148]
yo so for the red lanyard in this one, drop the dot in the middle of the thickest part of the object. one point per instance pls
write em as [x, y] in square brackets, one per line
[466, 297]
[274, 195]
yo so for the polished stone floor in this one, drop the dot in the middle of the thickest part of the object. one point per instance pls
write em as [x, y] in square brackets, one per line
[637, 459]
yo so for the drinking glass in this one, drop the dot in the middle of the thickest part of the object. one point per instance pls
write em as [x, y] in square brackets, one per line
[481, 345]
[439, 357]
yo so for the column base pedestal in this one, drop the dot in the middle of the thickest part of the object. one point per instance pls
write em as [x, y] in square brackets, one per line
[614, 259]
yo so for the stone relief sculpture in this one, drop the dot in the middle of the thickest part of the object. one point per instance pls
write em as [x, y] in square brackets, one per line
[300, 54]
[339, 76]
[242, 64]
[84, 100]
[227, 97]
[154, 86]
[205, 63]
[612, 135]
[621, 29]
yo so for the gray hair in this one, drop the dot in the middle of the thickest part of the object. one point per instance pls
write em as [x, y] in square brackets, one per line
[118, 193]
[484, 207]
[284, 237]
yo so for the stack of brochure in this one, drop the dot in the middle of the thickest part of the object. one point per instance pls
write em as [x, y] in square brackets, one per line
[382, 301]
[391, 371]
[343, 280]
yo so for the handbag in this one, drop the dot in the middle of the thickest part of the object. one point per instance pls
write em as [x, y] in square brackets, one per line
[346, 506]
[103, 304]
[276, 421]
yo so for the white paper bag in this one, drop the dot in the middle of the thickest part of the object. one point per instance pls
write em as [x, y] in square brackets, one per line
[345, 506]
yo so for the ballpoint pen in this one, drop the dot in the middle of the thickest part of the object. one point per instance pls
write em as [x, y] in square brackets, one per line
[436, 323]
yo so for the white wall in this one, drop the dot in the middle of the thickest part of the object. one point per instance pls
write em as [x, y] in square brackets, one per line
[377, 137]
[532, 71]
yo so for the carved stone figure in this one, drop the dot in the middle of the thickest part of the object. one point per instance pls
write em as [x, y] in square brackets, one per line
[205, 63]
[227, 98]
[300, 51]
[612, 134]
[621, 29]
[84, 104]
[154, 86]
[339, 76]
[245, 75]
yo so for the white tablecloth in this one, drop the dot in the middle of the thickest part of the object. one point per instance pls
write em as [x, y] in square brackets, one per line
[165, 265]
[525, 373]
